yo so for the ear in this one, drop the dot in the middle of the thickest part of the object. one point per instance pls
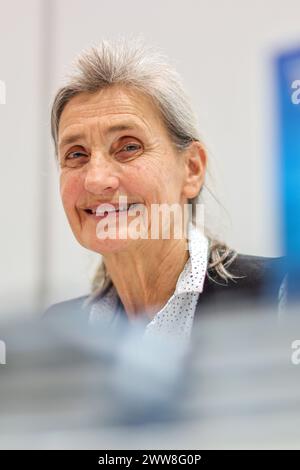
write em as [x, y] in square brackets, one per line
[195, 168]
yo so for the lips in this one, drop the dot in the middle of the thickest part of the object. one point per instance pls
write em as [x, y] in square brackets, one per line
[104, 209]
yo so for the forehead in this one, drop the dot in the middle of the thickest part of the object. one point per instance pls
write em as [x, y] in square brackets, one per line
[113, 104]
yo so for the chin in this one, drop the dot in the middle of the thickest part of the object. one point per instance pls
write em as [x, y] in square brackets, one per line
[106, 246]
[100, 242]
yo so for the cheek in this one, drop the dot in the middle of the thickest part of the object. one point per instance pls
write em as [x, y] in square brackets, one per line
[152, 169]
[161, 177]
[69, 190]
[145, 180]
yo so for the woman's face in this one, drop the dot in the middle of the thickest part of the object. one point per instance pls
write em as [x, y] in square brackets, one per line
[113, 143]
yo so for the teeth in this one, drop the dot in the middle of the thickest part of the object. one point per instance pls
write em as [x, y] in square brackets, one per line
[115, 210]
[108, 211]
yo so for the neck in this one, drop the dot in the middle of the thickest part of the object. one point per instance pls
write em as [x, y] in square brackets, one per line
[146, 277]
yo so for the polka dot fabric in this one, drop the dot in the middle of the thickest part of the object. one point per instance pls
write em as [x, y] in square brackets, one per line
[177, 315]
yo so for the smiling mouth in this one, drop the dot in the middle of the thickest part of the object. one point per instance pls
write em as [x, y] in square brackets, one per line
[103, 213]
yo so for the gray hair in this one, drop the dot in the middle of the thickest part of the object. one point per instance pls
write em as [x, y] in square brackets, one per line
[129, 63]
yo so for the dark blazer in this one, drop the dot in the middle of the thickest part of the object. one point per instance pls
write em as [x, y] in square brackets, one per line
[257, 285]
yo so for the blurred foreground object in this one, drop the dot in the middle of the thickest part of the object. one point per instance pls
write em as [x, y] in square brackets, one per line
[66, 385]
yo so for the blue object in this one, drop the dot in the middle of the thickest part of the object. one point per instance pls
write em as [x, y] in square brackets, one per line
[288, 90]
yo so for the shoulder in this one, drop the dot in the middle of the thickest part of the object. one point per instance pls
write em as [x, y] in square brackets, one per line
[252, 270]
[74, 307]
[255, 280]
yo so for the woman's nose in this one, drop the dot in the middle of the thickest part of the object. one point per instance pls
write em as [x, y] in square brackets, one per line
[100, 178]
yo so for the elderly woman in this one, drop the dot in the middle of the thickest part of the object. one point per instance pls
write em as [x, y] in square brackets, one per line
[125, 138]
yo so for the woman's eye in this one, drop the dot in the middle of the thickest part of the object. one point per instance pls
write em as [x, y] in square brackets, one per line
[75, 158]
[75, 155]
[130, 150]
[131, 147]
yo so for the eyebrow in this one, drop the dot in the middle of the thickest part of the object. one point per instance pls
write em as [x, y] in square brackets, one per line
[70, 139]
